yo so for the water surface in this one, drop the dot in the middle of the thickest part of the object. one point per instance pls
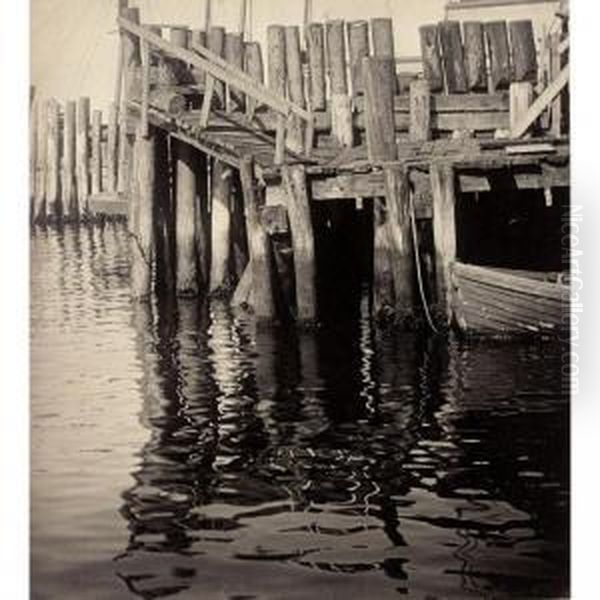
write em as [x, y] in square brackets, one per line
[179, 451]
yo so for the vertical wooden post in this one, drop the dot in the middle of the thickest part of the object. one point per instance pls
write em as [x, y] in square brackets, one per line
[96, 151]
[201, 162]
[220, 225]
[498, 55]
[112, 147]
[420, 111]
[199, 37]
[295, 139]
[383, 277]
[140, 221]
[358, 46]
[277, 80]
[453, 59]
[234, 54]
[69, 196]
[430, 53]
[341, 108]
[39, 208]
[475, 56]
[216, 44]
[53, 200]
[555, 69]
[382, 31]
[399, 232]
[379, 109]
[444, 231]
[520, 99]
[185, 221]
[83, 176]
[524, 57]
[33, 132]
[258, 244]
[130, 63]
[253, 65]
[315, 45]
[294, 179]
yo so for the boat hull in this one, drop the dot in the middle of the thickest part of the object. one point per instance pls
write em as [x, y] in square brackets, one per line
[503, 301]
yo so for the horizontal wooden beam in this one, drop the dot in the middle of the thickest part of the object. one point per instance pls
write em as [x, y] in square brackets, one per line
[521, 180]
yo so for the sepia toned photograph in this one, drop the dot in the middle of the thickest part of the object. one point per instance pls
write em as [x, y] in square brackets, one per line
[303, 291]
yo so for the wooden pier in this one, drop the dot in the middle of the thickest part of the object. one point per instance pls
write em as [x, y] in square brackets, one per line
[219, 153]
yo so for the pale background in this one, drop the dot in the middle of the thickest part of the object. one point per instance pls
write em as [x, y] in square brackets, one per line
[74, 49]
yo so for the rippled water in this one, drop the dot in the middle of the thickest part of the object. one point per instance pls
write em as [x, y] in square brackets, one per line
[179, 451]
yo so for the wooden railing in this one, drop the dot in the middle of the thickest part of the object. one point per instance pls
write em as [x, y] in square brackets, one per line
[217, 69]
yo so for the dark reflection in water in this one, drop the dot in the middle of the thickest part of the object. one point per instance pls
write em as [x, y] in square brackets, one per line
[346, 462]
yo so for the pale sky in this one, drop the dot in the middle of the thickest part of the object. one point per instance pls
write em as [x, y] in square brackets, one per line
[74, 46]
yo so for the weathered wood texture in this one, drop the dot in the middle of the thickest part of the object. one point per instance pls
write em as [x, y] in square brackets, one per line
[453, 58]
[498, 55]
[444, 232]
[430, 53]
[315, 42]
[140, 221]
[420, 111]
[216, 44]
[379, 109]
[294, 181]
[521, 98]
[33, 127]
[53, 198]
[474, 53]
[96, 164]
[382, 32]
[221, 225]
[112, 149]
[295, 137]
[253, 65]
[277, 80]
[39, 205]
[186, 219]
[234, 54]
[383, 276]
[358, 48]
[198, 36]
[524, 58]
[258, 244]
[83, 174]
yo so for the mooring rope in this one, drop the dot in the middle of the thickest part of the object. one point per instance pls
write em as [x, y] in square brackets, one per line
[413, 228]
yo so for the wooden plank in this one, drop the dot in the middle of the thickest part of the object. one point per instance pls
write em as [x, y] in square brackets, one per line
[83, 175]
[277, 79]
[498, 55]
[69, 197]
[524, 57]
[475, 56]
[216, 44]
[253, 65]
[293, 65]
[540, 104]
[430, 52]
[209, 94]
[112, 149]
[521, 97]
[379, 109]
[96, 164]
[524, 180]
[315, 42]
[420, 111]
[358, 48]
[452, 57]
[145, 57]
[234, 54]
[53, 199]
[258, 245]
[555, 67]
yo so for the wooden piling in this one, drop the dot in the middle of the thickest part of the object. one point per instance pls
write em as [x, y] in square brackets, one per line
[258, 245]
[140, 222]
[33, 127]
[112, 147]
[453, 59]
[198, 37]
[234, 54]
[294, 181]
[201, 162]
[186, 219]
[358, 48]
[383, 276]
[83, 177]
[379, 109]
[444, 232]
[96, 151]
[220, 225]
[293, 67]
[277, 80]
[68, 185]
[382, 32]
[520, 99]
[400, 241]
[130, 56]
[341, 108]
[474, 56]
[315, 45]
[216, 44]
[420, 111]
[430, 53]
[498, 55]
[555, 69]
[253, 65]
[39, 207]
[53, 199]
[524, 57]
